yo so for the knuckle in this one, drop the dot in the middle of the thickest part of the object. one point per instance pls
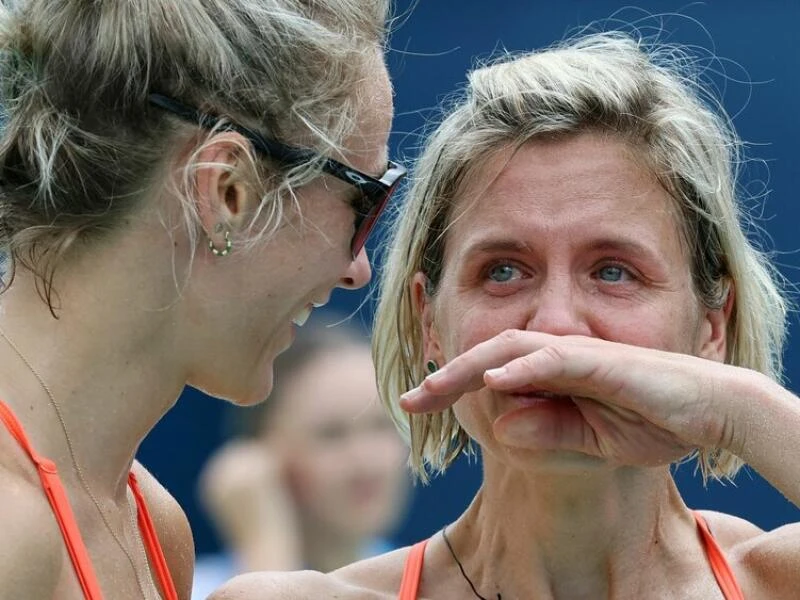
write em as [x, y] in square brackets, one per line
[511, 336]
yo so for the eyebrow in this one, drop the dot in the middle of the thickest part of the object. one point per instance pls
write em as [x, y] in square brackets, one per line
[515, 246]
[486, 246]
[627, 246]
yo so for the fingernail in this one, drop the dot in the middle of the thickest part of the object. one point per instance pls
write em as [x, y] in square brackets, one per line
[411, 395]
[498, 373]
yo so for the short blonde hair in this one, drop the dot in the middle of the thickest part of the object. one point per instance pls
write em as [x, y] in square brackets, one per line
[606, 82]
[80, 144]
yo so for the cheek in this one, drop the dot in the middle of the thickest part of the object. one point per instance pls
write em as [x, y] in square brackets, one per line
[475, 412]
[466, 325]
[674, 327]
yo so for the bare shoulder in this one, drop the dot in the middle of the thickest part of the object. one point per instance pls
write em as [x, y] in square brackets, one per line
[768, 561]
[288, 585]
[730, 531]
[381, 573]
[172, 527]
[376, 578]
[32, 551]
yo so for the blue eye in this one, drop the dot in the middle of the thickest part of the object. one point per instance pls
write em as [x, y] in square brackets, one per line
[503, 273]
[612, 273]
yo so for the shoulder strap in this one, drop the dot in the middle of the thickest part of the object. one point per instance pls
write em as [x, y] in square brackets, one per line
[412, 573]
[151, 543]
[719, 565]
[57, 496]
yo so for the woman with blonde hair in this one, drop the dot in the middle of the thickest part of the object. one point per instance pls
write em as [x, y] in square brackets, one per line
[570, 287]
[180, 184]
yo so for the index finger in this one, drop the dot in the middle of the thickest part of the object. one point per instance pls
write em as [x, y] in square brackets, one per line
[465, 373]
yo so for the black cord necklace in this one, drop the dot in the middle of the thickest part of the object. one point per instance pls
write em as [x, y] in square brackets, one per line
[461, 567]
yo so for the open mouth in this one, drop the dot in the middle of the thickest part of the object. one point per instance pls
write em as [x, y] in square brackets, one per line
[302, 316]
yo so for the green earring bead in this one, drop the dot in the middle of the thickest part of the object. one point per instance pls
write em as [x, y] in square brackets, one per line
[432, 366]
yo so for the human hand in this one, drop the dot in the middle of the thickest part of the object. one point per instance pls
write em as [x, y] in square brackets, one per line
[244, 488]
[633, 405]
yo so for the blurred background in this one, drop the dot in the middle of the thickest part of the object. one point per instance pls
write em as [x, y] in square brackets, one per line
[756, 74]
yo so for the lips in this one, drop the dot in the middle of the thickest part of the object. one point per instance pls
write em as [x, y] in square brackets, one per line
[530, 396]
[532, 390]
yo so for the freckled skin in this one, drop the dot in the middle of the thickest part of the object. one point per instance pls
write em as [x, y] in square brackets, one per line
[566, 269]
[597, 254]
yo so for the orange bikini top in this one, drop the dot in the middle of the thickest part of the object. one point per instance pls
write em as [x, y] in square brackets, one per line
[58, 499]
[409, 587]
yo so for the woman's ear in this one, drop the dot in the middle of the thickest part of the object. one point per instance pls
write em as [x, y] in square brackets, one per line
[714, 329]
[422, 298]
[224, 201]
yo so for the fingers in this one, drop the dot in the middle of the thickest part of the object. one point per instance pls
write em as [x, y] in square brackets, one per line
[545, 364]
[465, 373]
[555, 427]
[420, 400]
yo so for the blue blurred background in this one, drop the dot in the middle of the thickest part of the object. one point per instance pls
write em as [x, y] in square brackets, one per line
[433, 45]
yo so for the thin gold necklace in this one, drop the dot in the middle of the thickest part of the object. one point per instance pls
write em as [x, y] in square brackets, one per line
[81, 476]
[461, 567]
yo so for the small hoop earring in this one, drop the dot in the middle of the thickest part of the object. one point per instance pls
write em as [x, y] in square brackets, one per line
[431, 366]
[225, 251]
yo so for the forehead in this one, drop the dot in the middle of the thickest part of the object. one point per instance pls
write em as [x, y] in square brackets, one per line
[366, 147]
[590, 180]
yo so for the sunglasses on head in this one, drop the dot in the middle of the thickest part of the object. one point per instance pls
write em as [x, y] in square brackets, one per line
[374, 192]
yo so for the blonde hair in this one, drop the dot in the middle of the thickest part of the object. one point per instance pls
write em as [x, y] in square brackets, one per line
[80, 145]
[606, 82]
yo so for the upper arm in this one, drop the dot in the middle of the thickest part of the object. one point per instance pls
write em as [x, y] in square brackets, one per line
[287, 585]
[172, 527]
[31, 547]
[772, 563]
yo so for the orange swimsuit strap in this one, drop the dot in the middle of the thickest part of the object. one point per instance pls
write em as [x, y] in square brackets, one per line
[57, 496]
[412, 573]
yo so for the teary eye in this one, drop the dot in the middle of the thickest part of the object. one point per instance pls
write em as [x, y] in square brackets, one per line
[503, 272]
[613, 273]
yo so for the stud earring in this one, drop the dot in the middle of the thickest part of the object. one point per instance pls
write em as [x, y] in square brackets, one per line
[431, 366]
[226, 250]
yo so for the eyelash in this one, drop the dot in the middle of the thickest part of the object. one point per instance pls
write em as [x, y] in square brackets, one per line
[501, 263]
[631, 273]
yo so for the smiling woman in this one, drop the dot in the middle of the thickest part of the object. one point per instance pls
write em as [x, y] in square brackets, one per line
[572, 255]
[180, 184]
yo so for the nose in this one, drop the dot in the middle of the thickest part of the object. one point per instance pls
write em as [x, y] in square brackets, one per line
[358, 272]
[557, 309]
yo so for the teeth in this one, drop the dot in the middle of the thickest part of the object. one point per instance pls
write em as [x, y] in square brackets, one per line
[301, 318]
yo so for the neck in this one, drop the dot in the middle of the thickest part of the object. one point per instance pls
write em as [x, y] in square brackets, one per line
[597, 533]
[106, 373]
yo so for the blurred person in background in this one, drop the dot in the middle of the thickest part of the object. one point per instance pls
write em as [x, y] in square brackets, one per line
[181, 182]
[571, 288]
[316, 477]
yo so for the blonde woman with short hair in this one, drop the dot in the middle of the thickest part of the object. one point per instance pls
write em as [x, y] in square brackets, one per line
[570, 289]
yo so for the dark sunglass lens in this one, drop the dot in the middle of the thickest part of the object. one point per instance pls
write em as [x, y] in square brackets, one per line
[366, 226]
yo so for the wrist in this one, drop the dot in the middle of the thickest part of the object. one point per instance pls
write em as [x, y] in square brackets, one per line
[742, 401]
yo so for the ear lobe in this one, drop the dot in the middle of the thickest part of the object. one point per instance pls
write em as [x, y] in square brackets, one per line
[423, 305]
[714, 342]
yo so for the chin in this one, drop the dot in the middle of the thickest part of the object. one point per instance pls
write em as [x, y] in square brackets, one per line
[234, 393]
